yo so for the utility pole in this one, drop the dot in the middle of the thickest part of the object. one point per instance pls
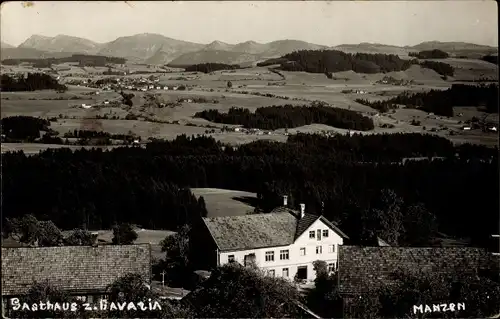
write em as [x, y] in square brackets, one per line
[496, 253]
[163, 273]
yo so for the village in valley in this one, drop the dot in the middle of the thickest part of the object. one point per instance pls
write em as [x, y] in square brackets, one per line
[163, 173]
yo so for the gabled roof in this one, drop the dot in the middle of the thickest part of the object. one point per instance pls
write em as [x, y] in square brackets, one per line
[364, 269]
[72, 268]
[281, 227]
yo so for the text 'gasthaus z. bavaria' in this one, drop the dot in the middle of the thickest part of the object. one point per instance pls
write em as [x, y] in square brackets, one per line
[103, 305]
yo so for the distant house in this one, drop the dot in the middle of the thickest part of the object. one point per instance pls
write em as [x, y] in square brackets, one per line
[466, 128]
[285, 242]
[81, 271]
[363, 270]
[165, 88]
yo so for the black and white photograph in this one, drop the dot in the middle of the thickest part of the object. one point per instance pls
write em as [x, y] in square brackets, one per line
[250, 159]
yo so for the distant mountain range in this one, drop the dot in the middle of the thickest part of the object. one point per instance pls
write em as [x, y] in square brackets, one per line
[158, 49]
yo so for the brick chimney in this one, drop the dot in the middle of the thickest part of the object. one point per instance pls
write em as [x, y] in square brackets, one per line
[302, 210]
[285, 200]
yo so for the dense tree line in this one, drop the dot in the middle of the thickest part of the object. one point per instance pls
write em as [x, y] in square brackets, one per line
[443, 69]
[210, 67]
[25, 128]
[289, 116]
[490, 58]
[430, 54]
[86, 134]
[325, 61]
[33, 82]
[82, 59]
[441, 102]
[341, 176]
[381, 106]
[272, 62]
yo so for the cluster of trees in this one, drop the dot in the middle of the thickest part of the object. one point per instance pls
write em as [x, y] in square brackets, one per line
[289, 116]
[127, 98]
[106, 81]
[210, 67]
[443, 69]
[441, 102]
[273, 61]
[326, 61]
[82, 59]
[23, 128]
[490, 58]
[341, 176]
[430, 54]
[33, 82]
[381, 106]
[86, 134]
[29, 231]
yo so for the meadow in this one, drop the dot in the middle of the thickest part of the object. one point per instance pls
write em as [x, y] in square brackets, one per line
[296, 88]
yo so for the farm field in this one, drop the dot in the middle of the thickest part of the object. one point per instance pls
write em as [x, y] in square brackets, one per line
[296, 88]
[224, 202]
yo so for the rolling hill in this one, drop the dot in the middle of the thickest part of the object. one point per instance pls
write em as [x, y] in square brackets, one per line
[158, 49]
[27, 53]
[61, 43]
[146, 45]
[216, 56]
[4, 45]
[245, 52]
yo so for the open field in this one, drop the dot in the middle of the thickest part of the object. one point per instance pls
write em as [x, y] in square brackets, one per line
[224, 202]
[298, 87]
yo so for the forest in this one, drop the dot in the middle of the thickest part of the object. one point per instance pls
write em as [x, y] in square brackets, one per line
[82, 59]
[351, 180]
[326, 61]
[210, 67]
[274, 61]
[441, 68]
[430, 54]
[33, 82]
[23, 128]
[441, 102]
[289, 116]
[490, 58]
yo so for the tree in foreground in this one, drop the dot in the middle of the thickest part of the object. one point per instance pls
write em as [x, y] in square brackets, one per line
[124, 234]
[41, 292]
[234, 291]
[31, 231]
[79, 237]
[133, 288]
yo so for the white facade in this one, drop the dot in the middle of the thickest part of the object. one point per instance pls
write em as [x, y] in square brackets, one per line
[302, 253]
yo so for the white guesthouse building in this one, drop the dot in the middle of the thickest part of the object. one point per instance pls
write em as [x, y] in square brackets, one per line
[284, 242]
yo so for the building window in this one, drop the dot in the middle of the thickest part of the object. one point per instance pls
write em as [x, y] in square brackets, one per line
[325, 232]
[271, 272]
[331, 267]
[318, 249]
[269, 255]
[331, 248]
[230, 258]
[284, 254]
[319, 234]
[285, 272]
[311, 234]
[303, 251]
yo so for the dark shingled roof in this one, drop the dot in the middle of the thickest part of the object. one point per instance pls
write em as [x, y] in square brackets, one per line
[72, 268]
[279, 228]
[364, 269]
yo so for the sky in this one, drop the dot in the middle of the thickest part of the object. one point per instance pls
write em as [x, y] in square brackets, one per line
[320, 22]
